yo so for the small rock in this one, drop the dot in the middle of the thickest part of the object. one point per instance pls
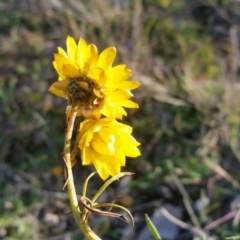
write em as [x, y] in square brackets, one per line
[3, 232]
[51, 219]
[235, 204]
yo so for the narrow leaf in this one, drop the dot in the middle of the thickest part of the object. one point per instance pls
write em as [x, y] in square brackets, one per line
[108, 182]
[152, 228]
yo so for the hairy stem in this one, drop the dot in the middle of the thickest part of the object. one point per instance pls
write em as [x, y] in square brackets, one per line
[82, 223]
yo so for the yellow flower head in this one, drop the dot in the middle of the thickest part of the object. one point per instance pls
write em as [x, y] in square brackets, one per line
[88, 79]
[105, 143]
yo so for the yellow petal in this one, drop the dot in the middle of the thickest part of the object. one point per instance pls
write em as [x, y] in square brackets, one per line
[107, 135]
[62, 52]
[85, 139]
[132, 152]
[105, 121]
[101, 147]
[113, 169]
[81, 45]
[117, 75]
[110, 163]
[60, 88]
[130, 149]
[91, 113]
[80, 52]
[71, 48]
[119, 95]
[59, 72]
[86, 156]
[118, 68]
[60, 60]
[62, 85]
[89, 58]
[94, 56]
[86, 125]
[131, 141]
[107, 111]
[99, 166]
[70, 71]
[111, 110]
[98, 75]
[122, 128]
[121, 157]
[57, 92]
[129, 85]
[128, 104]
[106, 58]
[86, 132]
[61, 77]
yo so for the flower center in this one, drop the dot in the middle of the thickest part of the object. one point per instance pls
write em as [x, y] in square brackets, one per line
[84, 92]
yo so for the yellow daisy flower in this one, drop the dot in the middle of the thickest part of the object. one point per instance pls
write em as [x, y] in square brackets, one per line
[88, 79]
[105, 143]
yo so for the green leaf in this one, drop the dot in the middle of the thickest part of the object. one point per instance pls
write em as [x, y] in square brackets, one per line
[233, 238]
[152, 228]
[84, 192]
[108, 182]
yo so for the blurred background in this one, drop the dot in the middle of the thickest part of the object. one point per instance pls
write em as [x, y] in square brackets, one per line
[186, 55]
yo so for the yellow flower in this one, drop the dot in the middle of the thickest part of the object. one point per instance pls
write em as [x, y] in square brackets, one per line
[88, 79]
[105, 143]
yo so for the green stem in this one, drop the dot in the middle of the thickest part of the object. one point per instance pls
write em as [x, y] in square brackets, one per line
[83, 224]
[84, 192]
[108, 182]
